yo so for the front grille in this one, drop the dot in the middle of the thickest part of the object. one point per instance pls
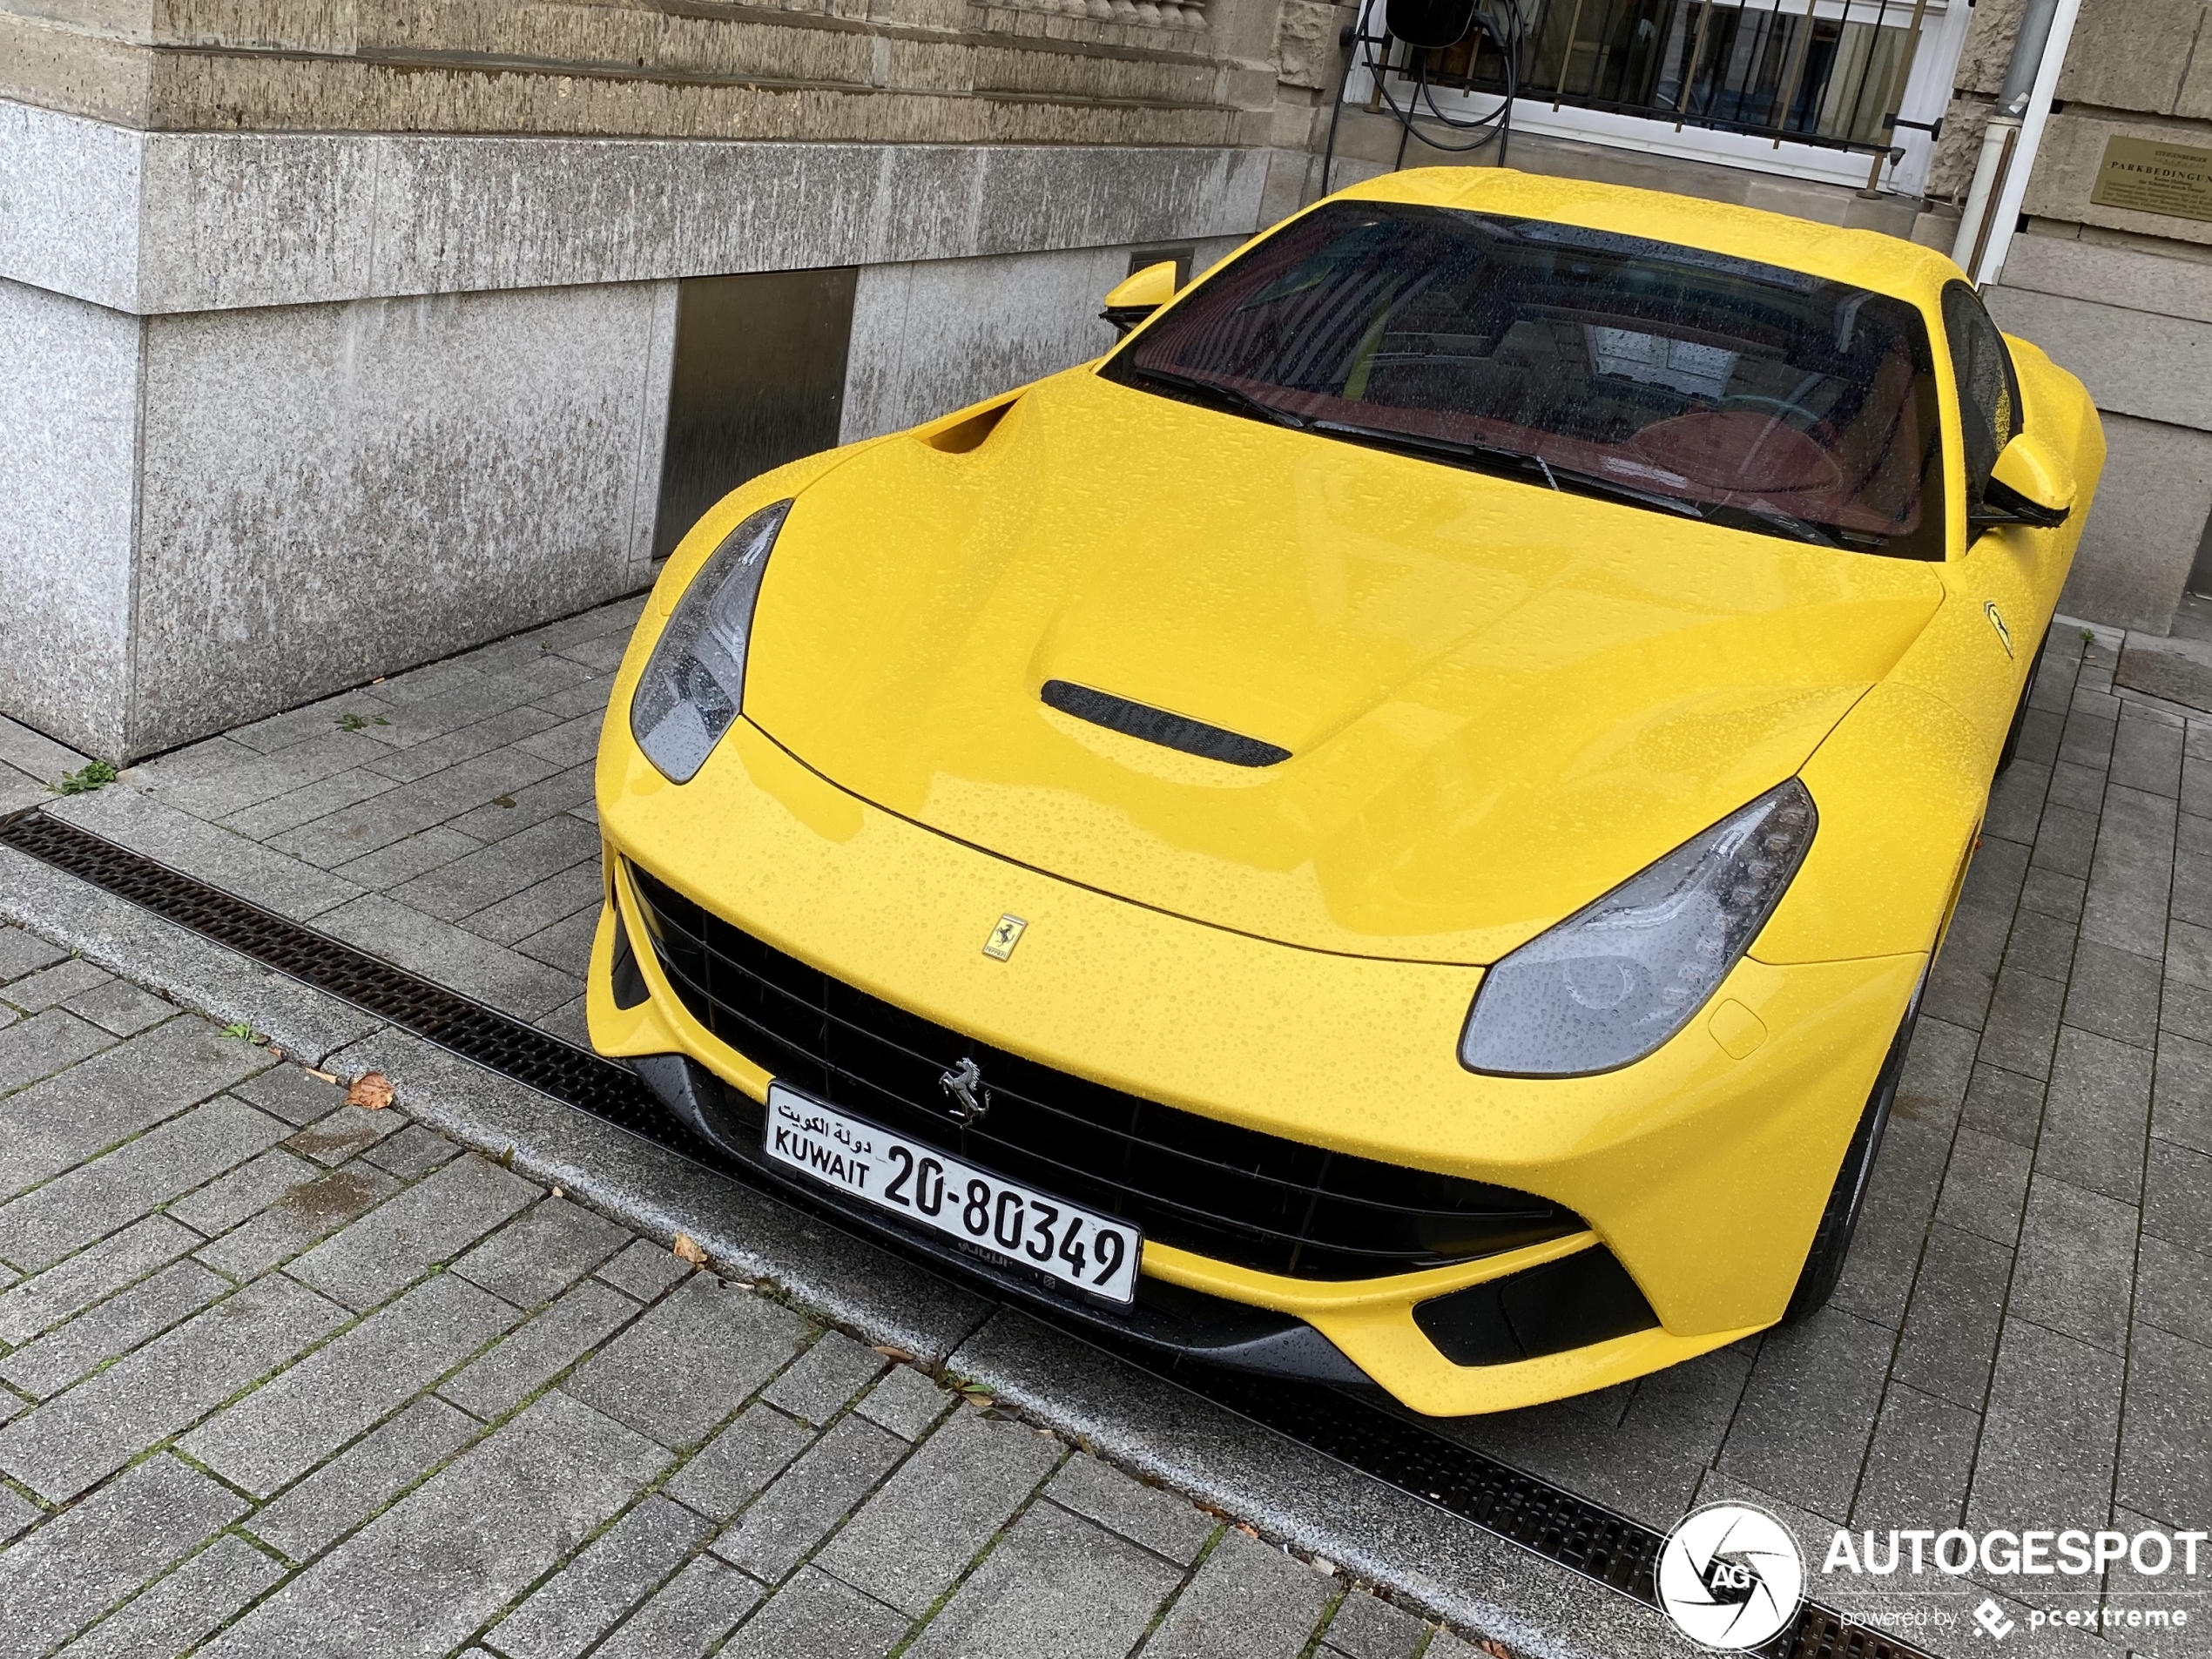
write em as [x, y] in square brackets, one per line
[1232, 1194]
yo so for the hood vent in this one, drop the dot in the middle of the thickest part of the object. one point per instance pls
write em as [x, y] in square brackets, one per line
[1157, 725]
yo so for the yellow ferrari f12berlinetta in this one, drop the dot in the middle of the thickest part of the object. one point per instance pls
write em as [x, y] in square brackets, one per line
[1391, 829]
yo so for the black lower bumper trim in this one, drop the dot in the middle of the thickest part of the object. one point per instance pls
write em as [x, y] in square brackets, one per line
[1186, 1323]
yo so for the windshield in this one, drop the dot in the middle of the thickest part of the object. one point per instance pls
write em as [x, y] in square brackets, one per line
[1668, 377]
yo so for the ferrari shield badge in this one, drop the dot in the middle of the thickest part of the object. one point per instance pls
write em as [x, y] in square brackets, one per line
[1004, 937]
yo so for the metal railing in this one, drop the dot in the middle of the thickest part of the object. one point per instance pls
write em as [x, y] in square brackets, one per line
[1801, 71]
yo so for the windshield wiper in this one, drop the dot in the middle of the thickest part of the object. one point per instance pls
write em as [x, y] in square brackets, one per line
[1222, 396]
[1802, 529]
[1497, 458]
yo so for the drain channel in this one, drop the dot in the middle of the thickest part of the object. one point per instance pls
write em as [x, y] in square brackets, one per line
[1546, 1520]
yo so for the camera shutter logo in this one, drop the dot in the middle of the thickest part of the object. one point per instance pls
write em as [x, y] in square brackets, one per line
[1730, 1576]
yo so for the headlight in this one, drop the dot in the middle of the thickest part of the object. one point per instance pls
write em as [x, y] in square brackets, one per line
[1619, 977]
[694, 683]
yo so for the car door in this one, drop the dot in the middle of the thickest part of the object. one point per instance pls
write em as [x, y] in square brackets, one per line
[2001, 574]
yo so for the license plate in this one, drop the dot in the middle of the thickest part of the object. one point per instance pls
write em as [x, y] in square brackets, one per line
[947, 1195]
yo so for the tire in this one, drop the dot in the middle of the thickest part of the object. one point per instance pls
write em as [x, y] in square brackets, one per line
[2019, 713]
[1839, 1221]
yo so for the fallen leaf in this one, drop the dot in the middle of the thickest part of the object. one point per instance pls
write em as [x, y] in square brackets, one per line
[890, 1353]
[687, 1249]
[322, 1077]
[507, 1158]
[558, 1193]
[372, 1091]
[1324, 1565]
[1248, 1529]
[1496, 1650]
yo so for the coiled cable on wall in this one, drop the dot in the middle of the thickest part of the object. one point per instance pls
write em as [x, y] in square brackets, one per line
[1435, 25]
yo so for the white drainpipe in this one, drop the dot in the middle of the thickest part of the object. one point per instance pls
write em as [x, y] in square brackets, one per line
[2009, 142]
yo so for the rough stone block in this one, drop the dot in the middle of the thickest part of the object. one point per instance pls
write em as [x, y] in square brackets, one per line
[559, 1336]
[542, 1252]
[2165, 1461]
[24, 952]
[1809, 1410]
[2173, 1289]
[913, 1537]
[2049, 1434]
[816, 1385]
[39, 1303]
[412, 1153]
[301, 1215]
[38, 1047]
[121, 1007]
[421, 1226]
[2006, 1104]
[1986, 1186]
[1950, 1337]
[1918, 1466]
[56, 985]
[816, 1616]
[291, 1093]
[906, 1401]
[429, 1570]
[288, 1425]
[810, 1497]
[221, 1204]
[1162, 1522]
[2096, 1115]
[61, 1447]
[1247, 1601]
[2177, 1193]
[184, 1608]
[2077, 1263]
[574, 1610]
[1367, 1628]
[730, 1469]
[115, 1327]
[362, 1479]
[690, 1361]
[450, 954]
[1055, 1584]
[688, 1616]
[345, 1134]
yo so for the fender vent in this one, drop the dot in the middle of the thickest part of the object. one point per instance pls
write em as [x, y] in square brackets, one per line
[1157, 725]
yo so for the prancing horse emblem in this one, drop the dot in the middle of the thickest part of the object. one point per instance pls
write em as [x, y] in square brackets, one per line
[965, 1084]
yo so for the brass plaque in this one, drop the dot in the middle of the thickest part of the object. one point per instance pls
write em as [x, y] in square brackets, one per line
[2152, 176]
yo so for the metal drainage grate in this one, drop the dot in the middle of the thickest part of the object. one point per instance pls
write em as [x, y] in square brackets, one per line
[1546, 1520]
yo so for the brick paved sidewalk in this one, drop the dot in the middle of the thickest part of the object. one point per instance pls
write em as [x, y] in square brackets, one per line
[281, 1376]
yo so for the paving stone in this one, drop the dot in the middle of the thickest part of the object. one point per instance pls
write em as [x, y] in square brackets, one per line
[2096, 1115]
[2132, 872]
[24, 952]
[2177, 1193]
[906, 1401]
[183, 841]
[575, 741]
[414, 1153]
[288, 1425]
[2066, 841]
[730, 1469]
[2005, 1105]
[2165, 1458]
[56, 985]
[2077, 785]
[2173, 1289]
[1056, 1585]
[461, 743]
[2115, 993]
[1247, 1601]
[121, 1007]
[549, 1344]
[912, 1539]
[2077, 1263]
[520, 861]
[609, 1577]
[115, 1327]
[290, 1092]
[362, 1479]
[424, 1224]
[184, 1608]
[1986, 1186]
[16, 1512]
[574, 893]
[566, 945]
[86, 1203]
[429, 1570]
[41, 1046]
[115, 1094]
[2127, 1590]
[2147, 754]
[2049, 1434]
[406, 859]
[1937, 1066]
[687, 1617]
[691, 1361]
[450, 954]
[1950, 1337]
[816, 1616]
[2185, 1009]
[300, 1216]
[644, 1270]
[808, 1499]
[61, 1447]
[1893, 1223]
[817, 1385]
[559, 793]
[39, 1303]
[345, 1134]
[72, 1568]
[222, 1204]
[2039, 944]
[1809, 1410]
[1918, 1465]
[2023, 1023]
[2050, 892]
[1162, 1522]
[542, 1252]
[2182, 1094]
[437, 798]
[1367, 1628]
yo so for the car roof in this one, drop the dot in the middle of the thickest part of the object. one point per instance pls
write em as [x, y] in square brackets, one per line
[1864, 259]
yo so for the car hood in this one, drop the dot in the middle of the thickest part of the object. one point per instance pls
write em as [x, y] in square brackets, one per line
[1499, 700]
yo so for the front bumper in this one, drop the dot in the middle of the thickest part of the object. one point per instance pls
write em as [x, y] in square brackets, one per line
[1702, 1168]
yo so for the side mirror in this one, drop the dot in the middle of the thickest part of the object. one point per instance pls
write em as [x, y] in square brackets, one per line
[2031, 484]
[1129, 303]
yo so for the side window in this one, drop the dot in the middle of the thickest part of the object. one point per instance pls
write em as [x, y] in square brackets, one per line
[1989, 397]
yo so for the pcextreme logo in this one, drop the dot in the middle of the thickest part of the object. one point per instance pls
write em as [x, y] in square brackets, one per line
[1730, 1576]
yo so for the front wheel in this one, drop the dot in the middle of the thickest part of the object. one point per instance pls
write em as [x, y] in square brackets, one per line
[1839, 1221]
